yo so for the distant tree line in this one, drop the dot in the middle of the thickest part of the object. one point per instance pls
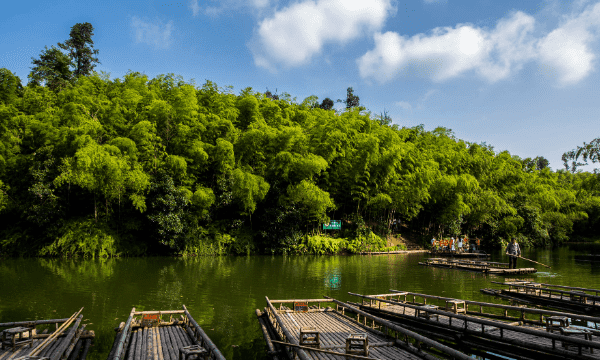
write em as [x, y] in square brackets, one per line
[99, 167]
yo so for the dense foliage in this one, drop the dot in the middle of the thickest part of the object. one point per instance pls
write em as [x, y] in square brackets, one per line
[131, 166]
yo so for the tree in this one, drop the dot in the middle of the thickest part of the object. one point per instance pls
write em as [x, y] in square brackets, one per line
[327, 104]
[10, 86]
[51, 69]
[351, 99]
[81, 48]
[587, 151]
[271, 96]
[384, 118]
[537, 163]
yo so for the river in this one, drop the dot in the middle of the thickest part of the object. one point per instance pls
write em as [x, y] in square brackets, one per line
[222, 293]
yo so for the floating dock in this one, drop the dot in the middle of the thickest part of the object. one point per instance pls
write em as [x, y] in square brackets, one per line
[459, 254]
[572, 299]
[488, 330]
[303, 329]
[53, 339]
[162, 335]
[486, 267]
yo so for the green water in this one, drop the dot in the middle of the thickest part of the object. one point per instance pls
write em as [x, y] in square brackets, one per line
[222, 293]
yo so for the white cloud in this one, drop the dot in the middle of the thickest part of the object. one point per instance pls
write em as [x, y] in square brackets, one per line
[404, 104]
[195, 7]
[494, 54]
[228, 6]
[567, 48]
[152, 33]
[292, 36]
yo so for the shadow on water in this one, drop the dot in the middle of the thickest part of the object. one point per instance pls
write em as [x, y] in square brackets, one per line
[222, 293]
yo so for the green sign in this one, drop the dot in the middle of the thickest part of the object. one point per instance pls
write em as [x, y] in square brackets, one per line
[333, 225]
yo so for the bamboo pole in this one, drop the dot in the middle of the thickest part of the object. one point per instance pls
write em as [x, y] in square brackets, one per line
[86, 348]
[58, 331]
[124, 334]
[520, 257]
[207, 341]
[60, 349]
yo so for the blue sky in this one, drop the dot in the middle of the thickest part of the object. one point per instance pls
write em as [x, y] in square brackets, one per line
[520, 75]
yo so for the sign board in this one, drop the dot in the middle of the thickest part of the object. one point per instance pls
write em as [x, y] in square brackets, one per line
[301, 307]
[333, 225]
[149, 320]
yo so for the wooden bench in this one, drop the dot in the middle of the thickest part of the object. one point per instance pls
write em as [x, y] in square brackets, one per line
[310, 336]
[197, 350]
[16, 337]
[424, 313]
[357, 344]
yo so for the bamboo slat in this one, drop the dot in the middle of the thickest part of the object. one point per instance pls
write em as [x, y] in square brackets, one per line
[74, 342]
[207, 342]
[76, 350]
[124, 334]
[60, 349]
[86, 348]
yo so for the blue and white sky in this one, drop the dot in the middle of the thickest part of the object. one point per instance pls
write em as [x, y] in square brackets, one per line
[519, 75]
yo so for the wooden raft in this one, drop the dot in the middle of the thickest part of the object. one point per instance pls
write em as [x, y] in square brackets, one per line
[476, 266]
[159, 335]
[477, 332]
[578, 301]
[460, 255]
[282, 328]
[72, 343]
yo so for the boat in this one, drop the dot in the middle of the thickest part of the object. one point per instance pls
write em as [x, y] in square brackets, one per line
[162, 335]
[486, 267]
[51, 339]
[306, 329]
[488, 330]
[572, 299]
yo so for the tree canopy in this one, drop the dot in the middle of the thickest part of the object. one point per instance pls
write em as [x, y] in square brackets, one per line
[160, 165]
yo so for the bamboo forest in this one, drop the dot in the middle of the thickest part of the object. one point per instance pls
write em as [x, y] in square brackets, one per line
[133, 166]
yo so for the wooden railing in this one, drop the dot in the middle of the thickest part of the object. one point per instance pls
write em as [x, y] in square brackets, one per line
[549, 292]
[523, 311]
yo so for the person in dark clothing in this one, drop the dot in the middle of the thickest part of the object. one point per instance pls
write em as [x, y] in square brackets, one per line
[513, 250]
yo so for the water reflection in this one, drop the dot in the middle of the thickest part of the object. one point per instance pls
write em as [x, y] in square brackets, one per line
[333, 280]
[222, 293]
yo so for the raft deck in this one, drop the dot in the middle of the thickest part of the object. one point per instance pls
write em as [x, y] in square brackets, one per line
[494, 330]
[577, 301]
[150, 335]
[477, 266]
[335, 327]
[67, 339]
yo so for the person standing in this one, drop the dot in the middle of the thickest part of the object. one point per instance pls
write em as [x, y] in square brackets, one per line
[452, 244]
[460, 244]
[513, 250]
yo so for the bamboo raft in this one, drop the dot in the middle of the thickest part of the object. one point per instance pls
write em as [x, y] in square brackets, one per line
[297, 329]
[459, 255]
[68, 340]
[486, 267]
[572, 299]
[515, 332]
[147, 336]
